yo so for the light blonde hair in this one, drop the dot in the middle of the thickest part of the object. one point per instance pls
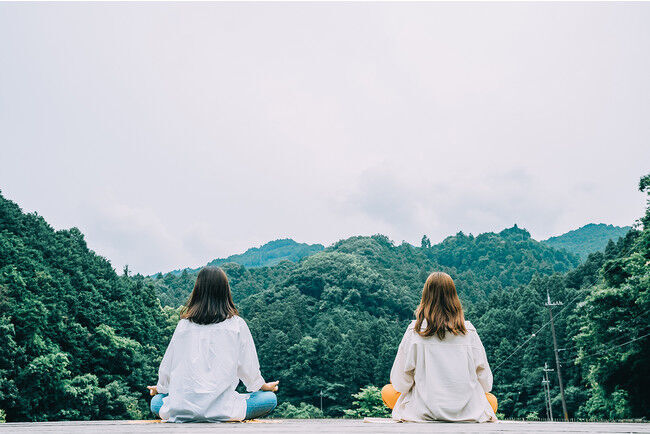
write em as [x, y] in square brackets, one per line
[440, 307]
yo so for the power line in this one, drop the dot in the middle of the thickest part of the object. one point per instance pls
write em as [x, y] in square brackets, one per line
[537, 331]
[615, 346]
[608, 343]
[545, 381]
[519, 347]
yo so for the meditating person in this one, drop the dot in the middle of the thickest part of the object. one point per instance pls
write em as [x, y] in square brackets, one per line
[441, 371]
[210, 351]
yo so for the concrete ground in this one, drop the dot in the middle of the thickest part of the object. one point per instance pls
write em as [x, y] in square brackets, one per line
[322, 426]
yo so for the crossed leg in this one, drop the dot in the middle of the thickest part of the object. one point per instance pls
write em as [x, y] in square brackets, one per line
[389, 395]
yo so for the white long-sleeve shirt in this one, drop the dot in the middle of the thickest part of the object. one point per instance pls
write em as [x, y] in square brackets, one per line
[442, 379]
[201, 369]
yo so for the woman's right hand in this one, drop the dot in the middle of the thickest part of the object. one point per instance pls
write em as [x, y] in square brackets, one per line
[270, 387]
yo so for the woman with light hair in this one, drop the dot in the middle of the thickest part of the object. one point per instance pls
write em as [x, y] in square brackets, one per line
[441, 371]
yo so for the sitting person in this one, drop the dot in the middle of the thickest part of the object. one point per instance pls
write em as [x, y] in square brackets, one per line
[441, 371]
[210, 351]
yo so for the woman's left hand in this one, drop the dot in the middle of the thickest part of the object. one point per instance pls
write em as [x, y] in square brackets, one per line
[270, 387]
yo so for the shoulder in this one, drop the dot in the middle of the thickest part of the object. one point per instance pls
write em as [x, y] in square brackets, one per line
[410, 330]
[180, 329]
[409, 333]
[183, 324]
[237, 322]
[471, 331]
[469, 326]
[474, 338]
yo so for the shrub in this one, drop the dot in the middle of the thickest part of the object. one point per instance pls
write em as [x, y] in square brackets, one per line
[303, 411]
[368, 403]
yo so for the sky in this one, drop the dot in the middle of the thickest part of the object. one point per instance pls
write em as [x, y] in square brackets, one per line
[172, 134]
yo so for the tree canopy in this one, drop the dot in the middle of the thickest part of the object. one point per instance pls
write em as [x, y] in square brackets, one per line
[588, 239]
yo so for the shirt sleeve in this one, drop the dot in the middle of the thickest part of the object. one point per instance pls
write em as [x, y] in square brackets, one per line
[401, 375]
[165, 368]
[483, 371]
[248, 366]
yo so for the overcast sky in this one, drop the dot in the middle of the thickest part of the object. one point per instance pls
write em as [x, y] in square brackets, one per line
[171, 134]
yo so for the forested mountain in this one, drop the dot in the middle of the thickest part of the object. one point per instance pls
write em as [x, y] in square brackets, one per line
[80, 342]
[76, 340]
[480, 264]
[267, 255]
[587, 239]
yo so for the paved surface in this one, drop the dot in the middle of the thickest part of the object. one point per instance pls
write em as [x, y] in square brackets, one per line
[321, 426]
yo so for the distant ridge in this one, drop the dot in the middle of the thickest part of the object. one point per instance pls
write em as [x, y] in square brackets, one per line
[267, 255]
[588, 239]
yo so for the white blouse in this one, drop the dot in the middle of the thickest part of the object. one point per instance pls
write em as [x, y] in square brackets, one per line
[201, 369]
[442, 379]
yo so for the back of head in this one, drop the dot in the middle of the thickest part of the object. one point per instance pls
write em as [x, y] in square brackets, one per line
[440, 307]
[211, 300]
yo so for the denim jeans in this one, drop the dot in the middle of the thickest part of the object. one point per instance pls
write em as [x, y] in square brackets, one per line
[258, 404]
[156, 403]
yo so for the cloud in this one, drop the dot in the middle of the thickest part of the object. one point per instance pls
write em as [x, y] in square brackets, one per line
[440, 208]
[198, 131]
[130, 234]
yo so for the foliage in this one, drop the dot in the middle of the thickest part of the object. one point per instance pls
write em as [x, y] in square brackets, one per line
[368, 403]
[287, 410]
[614, 347]
[479, 265]
[76, 340]
[588, 239]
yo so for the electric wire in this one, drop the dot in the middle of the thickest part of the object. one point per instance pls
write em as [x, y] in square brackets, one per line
[583, 356]
[611, 341]
[566, 305]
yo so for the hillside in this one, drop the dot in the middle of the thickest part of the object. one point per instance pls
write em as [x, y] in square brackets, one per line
[587, 239]
[77, 341]
[267, 255]
[481, 264]
[271, 253]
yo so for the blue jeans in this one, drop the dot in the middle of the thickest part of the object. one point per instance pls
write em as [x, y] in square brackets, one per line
[156, 403]
[258, 404]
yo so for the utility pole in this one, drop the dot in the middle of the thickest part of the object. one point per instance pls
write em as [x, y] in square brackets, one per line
[547, 389]
[545, 399]
[557, 357]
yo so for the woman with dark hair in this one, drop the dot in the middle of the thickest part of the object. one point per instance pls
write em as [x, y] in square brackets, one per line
[210, 351]
[441, 371]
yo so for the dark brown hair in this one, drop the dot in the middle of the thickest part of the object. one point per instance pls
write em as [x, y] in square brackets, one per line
[210, 301]
[440, 307]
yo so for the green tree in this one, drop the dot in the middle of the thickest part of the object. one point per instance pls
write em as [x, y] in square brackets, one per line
[614, 348]
[287, 410]
[368, 403]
